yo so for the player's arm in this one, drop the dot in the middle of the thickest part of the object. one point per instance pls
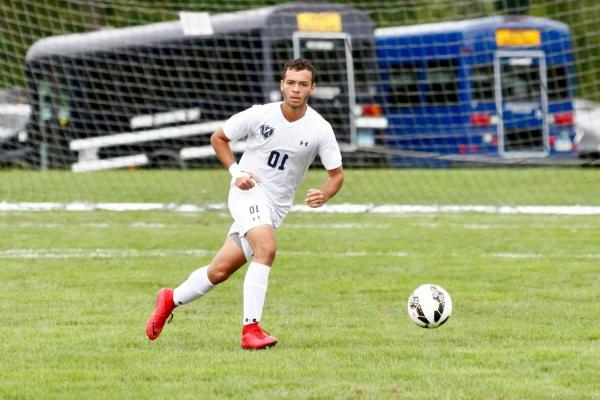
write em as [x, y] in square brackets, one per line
[220, 143]
[317, 197]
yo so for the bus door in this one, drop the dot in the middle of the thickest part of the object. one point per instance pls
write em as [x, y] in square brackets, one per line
[334, 97]
[521, 103]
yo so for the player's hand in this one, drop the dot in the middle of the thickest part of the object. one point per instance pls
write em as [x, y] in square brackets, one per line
[246, 181]
[314, 198]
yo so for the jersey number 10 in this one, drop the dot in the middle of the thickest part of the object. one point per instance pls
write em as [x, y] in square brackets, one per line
[274, 160]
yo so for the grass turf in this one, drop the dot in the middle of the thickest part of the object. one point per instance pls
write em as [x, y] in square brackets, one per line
[76, 289]
[490, 186]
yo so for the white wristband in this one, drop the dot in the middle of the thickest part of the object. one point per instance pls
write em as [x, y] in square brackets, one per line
[236, 171]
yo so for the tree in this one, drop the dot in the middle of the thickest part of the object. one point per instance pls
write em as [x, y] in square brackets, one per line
[512, 7]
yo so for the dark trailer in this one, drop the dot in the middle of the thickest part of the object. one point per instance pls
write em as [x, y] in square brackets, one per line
[152, 94]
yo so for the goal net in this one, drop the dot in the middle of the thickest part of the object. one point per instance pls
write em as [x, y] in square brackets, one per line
[431, 101]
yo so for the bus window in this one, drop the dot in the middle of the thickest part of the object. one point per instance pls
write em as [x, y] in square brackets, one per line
[404, 86]
[282, 51]
[163, 69]
[558, 88]
[360, 55]
[196, 74]
[442, 82]
[327, 56]
[133, 80]
[520, 82]
[54, 104]
[229, 76]
[238, 57]
[64, 108]
[482, 82]
[45, 102]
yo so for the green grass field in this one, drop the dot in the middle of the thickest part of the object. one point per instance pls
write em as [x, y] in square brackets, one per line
[76, 289]
[493, 186]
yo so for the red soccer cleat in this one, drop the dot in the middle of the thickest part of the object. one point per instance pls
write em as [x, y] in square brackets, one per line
[163, 310]
[254, 338]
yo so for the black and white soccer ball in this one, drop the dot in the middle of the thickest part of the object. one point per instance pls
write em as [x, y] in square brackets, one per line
[429, 306]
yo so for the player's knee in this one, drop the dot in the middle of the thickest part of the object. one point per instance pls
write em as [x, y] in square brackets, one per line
[265, 252]
[218, 274]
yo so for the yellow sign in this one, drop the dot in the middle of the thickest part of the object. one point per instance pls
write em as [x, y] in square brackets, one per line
[319, 22]
[518, 37]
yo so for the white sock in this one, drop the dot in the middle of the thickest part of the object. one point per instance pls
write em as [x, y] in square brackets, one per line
[255, 290]
[197, 285]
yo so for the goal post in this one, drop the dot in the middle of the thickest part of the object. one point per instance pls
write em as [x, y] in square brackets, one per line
[104, 85]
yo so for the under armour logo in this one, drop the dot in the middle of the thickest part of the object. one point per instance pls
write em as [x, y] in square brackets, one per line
[303, 143]
[266, 131]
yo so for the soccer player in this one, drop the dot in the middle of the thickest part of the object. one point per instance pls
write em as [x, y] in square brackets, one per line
[282, 140]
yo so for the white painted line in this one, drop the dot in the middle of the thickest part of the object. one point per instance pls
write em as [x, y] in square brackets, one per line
[132, 253]
[570, 226]
[516, 255]
[539, 255]
[336, 226]
[334, 208]
[96, 253]
[70, 253]
[328, 208]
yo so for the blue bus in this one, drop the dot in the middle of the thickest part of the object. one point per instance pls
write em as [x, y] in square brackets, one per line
[495, 88]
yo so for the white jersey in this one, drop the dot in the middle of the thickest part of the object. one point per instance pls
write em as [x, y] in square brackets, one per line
[279, 152]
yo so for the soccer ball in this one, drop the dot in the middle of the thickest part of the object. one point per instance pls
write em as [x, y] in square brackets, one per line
[429, 306]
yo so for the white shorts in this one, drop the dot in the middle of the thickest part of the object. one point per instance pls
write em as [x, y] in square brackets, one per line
[249, 208]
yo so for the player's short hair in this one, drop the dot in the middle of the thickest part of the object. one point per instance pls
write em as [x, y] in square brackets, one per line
[299, 64]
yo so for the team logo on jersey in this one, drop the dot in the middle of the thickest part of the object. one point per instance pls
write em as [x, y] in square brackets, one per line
[266, 131]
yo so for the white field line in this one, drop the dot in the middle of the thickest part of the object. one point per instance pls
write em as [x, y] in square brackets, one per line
[523, 256]
[570, 226]
[131, 253]
[329, 208]
[159, 225]
[349, 225]
[538, 255]
[341, 226]
[71, 253]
